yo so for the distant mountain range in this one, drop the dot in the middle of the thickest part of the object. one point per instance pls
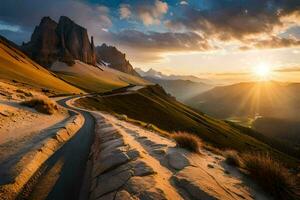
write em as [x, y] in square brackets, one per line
[66, 41]
[272, 99]
[158, 75]
[271, 108]
[181, 87]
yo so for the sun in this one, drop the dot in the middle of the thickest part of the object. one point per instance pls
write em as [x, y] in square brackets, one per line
[262, 71]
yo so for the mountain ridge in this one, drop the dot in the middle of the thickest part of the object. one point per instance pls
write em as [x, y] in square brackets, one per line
[114, 58]
[66, 42]
[159, 75]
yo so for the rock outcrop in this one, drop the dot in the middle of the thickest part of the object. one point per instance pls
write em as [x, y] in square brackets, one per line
[129, 162]
[114, 59]
[65, 41]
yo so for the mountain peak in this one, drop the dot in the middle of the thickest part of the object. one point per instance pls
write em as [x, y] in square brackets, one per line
[65, 41]
[47, 20]
[115, 59]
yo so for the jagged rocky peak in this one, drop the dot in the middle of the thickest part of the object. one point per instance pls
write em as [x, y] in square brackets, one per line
[65, 41]
[115, 59]
[75, 40]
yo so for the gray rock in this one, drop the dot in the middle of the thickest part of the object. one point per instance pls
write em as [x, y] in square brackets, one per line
[133, 154]
[177, 160]
[149, 142]
[153, 194]
[192, 188]
[112, 184]
[108, 151]
[112, 144]
[159, 151]
[109, 162]
[124, 195]
[109, 196]
[137, 184]
[140, 168]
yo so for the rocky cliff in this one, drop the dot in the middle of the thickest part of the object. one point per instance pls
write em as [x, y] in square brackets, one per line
[65, 41]
[114, 59]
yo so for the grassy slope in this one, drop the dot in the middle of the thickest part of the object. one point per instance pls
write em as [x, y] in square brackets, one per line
[282, 129]
[14, 65]
[93, 79]
[152, 105]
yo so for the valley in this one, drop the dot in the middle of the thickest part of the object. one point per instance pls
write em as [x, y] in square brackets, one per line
[268, 107]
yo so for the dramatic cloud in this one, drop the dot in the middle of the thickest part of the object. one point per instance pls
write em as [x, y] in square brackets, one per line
[151, 46]
[27, 14]
[125, 11]
[167, 41]
[228, 20]
[272, 42]
[276, 42]
[151, 14]
[180, 25]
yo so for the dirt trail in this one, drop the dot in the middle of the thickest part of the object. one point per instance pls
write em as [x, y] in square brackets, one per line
[169, 172]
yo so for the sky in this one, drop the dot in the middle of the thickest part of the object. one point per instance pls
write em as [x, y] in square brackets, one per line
[224, 39]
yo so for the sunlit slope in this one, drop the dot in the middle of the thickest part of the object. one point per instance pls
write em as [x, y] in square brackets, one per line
[267, 99]
[94, 79]
[153, 105]
[14, 65]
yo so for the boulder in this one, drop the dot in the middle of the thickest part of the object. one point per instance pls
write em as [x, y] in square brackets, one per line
[177, 160]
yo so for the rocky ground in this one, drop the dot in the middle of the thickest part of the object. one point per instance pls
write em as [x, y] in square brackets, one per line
[129, 162]
[18, 121]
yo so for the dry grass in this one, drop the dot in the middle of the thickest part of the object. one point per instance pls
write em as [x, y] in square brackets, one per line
[42, 105]
[27, 94]
[232, 158]
[272, 176]
[187, 141]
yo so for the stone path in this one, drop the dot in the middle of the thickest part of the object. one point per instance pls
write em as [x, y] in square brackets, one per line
[129, 162]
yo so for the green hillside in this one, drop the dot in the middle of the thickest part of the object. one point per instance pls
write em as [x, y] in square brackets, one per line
[153, 105]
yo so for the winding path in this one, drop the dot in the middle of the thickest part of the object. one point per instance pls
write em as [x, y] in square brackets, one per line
[61, 175]
[130, 162]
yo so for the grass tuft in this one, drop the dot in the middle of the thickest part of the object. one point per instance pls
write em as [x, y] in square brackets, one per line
[27, 94]
[232, 158]
[42, 105]
[272, 176]
[187, 141]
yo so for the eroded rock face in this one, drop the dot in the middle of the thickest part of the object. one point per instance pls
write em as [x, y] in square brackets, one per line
[114, 58]
[64, 41]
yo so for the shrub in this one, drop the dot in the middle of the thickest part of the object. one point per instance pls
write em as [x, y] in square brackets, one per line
[232, 158]
[42, 105]
[187, 141]
[272, 176]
